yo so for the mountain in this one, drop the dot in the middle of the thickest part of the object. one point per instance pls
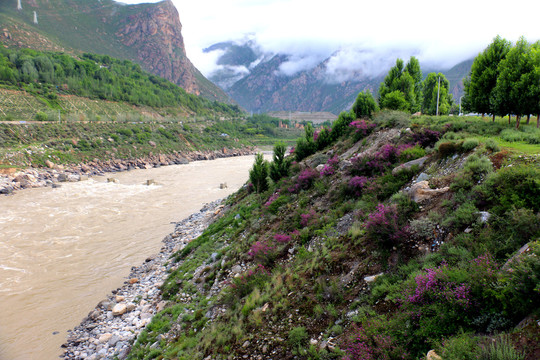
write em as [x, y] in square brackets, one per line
[148, 34]
[258, 82]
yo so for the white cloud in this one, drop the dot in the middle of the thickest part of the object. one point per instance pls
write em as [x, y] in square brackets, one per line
[441, 33]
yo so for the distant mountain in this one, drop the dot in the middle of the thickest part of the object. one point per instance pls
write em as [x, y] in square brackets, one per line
[148, 34]
[256, 80]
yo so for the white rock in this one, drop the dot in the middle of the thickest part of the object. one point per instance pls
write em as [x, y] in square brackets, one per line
[119, 309]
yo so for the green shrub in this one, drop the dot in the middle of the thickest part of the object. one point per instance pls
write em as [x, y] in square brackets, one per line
[461, 347]
[392, 118]
[492, 145]
[501, 349]
[41, 116]
[512, 135]
[412, 154]
[447, 148]
[515, 186]
[470, 144]
[298, 337]
[463, 216]
[478, 166]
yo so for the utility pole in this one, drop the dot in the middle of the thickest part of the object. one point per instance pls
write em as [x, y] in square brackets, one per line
[438, 94]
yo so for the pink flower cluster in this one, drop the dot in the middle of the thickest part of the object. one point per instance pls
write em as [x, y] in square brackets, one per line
[282, 238]
[308, 219]
[271, 199]
[362, 127]
[330, 167]
[434, 286]
[357, 184]
[304, 180]
[382, 225]
[262, 252]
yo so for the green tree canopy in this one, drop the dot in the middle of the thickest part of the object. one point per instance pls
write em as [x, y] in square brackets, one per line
[395, 100]
[430, 86]
[408, 81]
[365, 105]
[480, 85]
[517, 83]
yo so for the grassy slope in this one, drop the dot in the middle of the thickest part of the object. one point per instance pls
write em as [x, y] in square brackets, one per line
[311, 299]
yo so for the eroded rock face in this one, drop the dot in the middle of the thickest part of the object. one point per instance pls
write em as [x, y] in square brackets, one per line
[156, 35]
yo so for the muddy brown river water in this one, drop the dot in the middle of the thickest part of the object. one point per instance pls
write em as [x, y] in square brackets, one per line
[63, 250]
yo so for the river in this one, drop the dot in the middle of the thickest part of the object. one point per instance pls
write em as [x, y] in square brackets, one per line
[63, 250]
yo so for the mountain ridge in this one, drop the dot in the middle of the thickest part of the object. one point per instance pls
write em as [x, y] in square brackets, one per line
[262, 85]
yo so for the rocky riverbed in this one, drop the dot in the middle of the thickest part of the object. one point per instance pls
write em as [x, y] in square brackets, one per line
[111, 327]
[12, 179]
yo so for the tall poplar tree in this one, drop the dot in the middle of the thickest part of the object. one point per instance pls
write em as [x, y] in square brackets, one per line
[480, 85]
[515, 82]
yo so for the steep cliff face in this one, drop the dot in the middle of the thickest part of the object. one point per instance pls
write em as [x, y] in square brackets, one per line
[149, 34]
[155, 34]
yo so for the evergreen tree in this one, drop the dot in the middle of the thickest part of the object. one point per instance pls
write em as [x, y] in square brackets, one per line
[365, 105]
[279, 167]
[258, 175]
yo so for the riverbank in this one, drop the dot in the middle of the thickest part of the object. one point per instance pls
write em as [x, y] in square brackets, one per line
[110, 328]
[13, 179]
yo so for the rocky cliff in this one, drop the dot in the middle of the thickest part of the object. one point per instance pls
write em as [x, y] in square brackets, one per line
[156, 35]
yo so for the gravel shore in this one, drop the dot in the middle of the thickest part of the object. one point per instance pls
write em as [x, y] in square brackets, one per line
[111, 327]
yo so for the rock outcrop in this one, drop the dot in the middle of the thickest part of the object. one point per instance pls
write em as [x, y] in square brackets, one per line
[155, 34]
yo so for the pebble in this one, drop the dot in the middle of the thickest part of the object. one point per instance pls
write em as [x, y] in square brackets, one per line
[102, 335]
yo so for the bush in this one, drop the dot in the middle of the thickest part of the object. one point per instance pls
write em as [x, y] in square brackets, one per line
[262, 252]
[412, 153]
[244, 284]
[501, 349]
[464, 215]
[356, 184]
[478, 167]
[382, 226]
[470, 144]
[304, 180]
[369, 341]
[361, 129]
[516, 186]
[426, 137]
[448, 148]
[392, 118]
[461, 347]
[298, 337]
[41, 116]
[492, 145]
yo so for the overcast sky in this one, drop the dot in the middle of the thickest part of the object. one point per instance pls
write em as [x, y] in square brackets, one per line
[366, 32]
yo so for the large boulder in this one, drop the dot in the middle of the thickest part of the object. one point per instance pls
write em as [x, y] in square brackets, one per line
[406, 166]
[421, 191]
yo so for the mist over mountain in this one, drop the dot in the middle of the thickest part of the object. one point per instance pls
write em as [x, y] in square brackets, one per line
[271, 81]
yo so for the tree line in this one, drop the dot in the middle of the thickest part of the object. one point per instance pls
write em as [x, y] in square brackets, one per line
[99, 77]
[403, 89]
[505, 80]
